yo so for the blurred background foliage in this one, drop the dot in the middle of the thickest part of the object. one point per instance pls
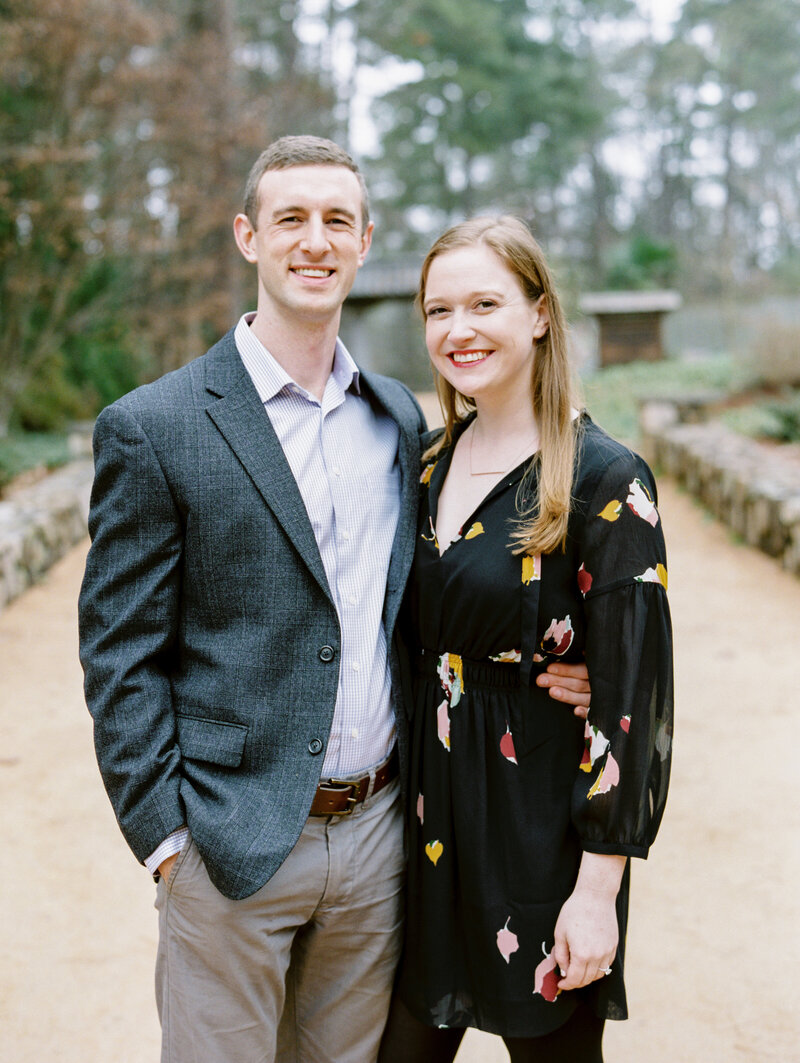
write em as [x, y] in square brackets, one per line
[649, 144]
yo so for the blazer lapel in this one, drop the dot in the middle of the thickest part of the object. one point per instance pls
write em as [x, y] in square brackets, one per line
[239, 414]
[400, 407]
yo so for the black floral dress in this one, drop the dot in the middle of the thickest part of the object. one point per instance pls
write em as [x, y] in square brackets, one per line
[508, 787]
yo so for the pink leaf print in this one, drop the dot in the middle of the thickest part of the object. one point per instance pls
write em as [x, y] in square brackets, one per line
[507, 942]
[625, 724]
[545, 979]
[558, 637]
[608, 777]
[584, 580]
[443, 725]
[507, 746]
[421, 808]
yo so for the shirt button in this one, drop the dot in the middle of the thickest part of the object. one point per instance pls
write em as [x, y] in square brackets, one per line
[326, 654]
[354, 733]
[352, 599]
[337, 472]
[356, 666]
[315, 746]
[346, 535]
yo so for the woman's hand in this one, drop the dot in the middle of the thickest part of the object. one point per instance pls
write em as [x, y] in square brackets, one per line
[587, 933]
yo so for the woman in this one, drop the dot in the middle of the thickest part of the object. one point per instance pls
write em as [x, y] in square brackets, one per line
[539, 542]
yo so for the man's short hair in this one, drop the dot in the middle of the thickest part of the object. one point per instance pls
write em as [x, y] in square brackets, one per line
[300, 151]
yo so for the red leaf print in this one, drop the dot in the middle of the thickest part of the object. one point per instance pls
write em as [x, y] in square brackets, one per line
[507, 746]
[545, 979]
[584, 580]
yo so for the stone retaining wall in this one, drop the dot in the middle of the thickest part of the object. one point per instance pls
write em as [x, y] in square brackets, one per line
[752, 487]
[749, 486]
[39, 523]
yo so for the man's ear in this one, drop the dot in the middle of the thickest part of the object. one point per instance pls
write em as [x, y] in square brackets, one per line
[366, 242]
[244, 234]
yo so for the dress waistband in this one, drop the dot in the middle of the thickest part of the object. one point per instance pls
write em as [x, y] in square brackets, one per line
[474, 673]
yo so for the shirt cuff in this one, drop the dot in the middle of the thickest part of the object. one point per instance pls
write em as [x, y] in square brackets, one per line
[171, 845]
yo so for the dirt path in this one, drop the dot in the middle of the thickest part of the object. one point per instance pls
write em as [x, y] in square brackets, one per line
[714, 944]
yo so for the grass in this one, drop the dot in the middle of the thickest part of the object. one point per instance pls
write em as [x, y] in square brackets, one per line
[22, 451]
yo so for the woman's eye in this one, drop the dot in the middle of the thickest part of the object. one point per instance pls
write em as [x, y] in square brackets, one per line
[486, 304]
[436, 311]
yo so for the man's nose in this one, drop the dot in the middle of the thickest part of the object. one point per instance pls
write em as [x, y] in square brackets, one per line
[315, 236]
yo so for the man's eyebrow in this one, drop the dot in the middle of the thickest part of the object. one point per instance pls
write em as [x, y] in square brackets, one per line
[343, 211]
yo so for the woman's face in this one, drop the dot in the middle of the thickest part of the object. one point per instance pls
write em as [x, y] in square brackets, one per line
[480, 327]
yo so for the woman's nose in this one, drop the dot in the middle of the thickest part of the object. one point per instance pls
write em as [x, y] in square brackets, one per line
[461, 326]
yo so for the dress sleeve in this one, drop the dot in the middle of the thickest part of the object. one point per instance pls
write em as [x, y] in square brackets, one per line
[621, 789]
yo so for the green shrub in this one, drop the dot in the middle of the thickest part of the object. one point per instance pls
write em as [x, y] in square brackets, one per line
[613, 394]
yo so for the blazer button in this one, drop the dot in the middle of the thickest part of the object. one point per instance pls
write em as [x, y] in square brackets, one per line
[327, 653]
[315, 746]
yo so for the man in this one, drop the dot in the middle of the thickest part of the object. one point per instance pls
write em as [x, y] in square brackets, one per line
[253, 523]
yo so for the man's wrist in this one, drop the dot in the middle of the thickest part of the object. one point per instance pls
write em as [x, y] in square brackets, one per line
[171, 845]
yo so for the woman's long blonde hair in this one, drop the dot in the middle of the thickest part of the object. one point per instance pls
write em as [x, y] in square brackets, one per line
[541, 526]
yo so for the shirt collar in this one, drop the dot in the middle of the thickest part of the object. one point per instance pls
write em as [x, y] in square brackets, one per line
[270, 377]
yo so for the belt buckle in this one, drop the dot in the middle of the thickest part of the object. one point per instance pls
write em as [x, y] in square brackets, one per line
[351, 800]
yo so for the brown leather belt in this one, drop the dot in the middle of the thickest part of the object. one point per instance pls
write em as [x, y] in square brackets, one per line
[338, 797]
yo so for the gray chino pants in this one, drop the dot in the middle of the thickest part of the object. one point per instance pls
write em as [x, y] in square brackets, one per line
[300, 972]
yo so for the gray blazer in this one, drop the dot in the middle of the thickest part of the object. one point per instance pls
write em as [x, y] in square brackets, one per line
[206, 617]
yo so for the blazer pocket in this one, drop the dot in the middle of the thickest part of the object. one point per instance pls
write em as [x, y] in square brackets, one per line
[211, 740]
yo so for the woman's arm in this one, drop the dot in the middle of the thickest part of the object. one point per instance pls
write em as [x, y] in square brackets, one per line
[587, 934]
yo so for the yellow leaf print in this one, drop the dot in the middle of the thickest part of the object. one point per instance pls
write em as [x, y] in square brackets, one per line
[476, 529]
[433, 850]
[612, 511]
[427, 472]
[531, 568]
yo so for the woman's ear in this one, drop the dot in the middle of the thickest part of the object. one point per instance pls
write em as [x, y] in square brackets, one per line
[542, 323]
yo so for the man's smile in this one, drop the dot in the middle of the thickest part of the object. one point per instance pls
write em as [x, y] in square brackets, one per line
[318, 272]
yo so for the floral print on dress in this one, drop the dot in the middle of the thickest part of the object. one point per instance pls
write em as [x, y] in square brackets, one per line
[434, 850]
[658, 574]
[451, 676]
[531, 568]
[595, 747]
[556, 640]
[611, 511]
[584, 580]
[507, 942]
[432, 537]
[641, 502]
[427, 472]
[545, 978]
[507, 657]
[606, 780]
[476, 530]
[507, 746]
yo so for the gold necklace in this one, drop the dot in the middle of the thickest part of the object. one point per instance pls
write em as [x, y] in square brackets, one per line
[496, 472]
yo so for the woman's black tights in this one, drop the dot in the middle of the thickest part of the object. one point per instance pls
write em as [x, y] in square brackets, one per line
[406, 1040]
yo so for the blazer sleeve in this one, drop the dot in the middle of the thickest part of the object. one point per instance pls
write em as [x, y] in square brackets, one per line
[129, 610]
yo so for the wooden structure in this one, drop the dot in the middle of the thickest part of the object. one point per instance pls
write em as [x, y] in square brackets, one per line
[630, 323]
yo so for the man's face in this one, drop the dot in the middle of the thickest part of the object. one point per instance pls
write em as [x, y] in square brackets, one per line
[309, 242]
